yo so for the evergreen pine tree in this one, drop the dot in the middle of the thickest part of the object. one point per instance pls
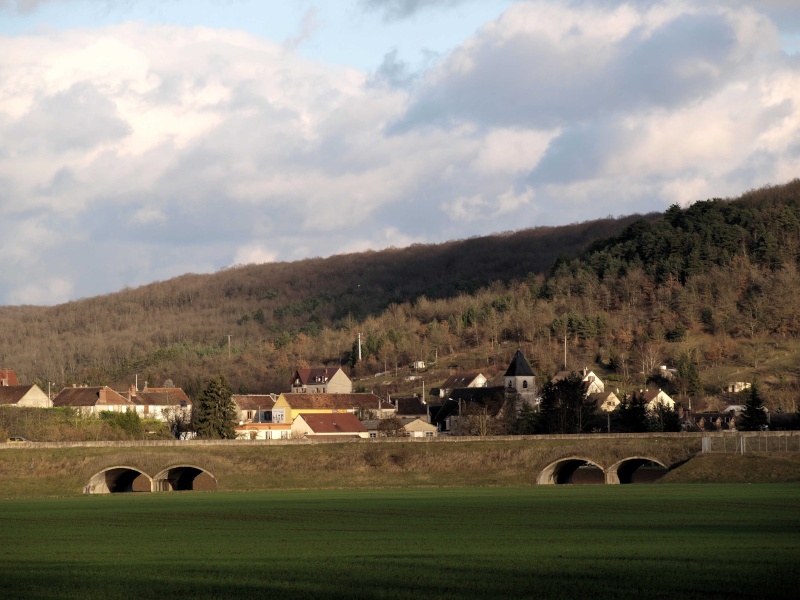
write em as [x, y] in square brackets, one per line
[754, 417]
[565, 407]
[215, 412]
[633, 414]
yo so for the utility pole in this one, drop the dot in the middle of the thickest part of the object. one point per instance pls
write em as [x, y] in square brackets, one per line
[359, 347]
[229, 346]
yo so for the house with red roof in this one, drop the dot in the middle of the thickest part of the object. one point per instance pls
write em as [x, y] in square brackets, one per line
[328, 425]
[7, 377]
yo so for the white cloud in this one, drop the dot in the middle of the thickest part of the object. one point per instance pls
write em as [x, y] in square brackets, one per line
[148, 214]
[253, 254]
[52, 291]
[178, 148]
[483, 207]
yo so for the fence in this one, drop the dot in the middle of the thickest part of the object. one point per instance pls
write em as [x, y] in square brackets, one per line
[744, 443]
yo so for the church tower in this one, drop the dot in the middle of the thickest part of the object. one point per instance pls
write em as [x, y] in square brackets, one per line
[519, 378]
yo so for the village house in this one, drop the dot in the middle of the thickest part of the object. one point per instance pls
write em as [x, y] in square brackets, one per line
[328, 426]
[412, 427]
[254, 408]
[288, 406]
[591, 382]
[483, 404]
[26, 396]
[411, 407]
[323, 380]
[160, 403]
[92, 400]
[487, 402]
[715, 421]
[459, 380]
[8, 378]
[605, 401]
[263, 431]
[652, 398]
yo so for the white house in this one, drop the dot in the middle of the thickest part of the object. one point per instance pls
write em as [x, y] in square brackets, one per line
[263, 431]
[324, 380]
[254, 408]
[461, 380]
[653, 398]
[606, 401]
[24, 396]
[92, 400]
[160, 403]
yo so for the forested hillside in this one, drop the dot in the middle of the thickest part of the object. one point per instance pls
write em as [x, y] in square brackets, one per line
[711, 290]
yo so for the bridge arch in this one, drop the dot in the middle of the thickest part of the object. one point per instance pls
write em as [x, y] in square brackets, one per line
[119, 479]
[184, 478]
[624, 470]
[564, 470]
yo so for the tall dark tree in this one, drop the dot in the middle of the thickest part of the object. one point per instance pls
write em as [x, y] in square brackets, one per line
[565, 407]
[631, 414]
[216, 414]
[664, 418]
[525, 423]
[688, 383]
[754, 417]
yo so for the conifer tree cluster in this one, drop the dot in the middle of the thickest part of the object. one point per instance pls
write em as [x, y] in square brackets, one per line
[215, 412]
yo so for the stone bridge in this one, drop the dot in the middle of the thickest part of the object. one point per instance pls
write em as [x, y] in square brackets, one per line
[124, 478]
[568, 459]
[165, 466]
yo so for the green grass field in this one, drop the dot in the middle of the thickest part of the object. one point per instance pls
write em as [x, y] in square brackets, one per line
[654, 541]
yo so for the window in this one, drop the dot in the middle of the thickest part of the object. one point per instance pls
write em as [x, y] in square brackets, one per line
[373, 435]
[524, 384]
[428, 434]
[277, 416]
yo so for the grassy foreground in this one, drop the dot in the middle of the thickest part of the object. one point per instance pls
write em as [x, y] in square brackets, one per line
[678, 541]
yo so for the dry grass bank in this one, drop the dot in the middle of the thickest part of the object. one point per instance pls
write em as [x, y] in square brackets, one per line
[28, 472]
[773, 467]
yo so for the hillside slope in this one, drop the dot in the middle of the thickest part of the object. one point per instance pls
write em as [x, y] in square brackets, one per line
[710, 291]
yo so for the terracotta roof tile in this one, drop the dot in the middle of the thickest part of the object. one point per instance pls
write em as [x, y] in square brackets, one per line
[253, 401]
[90, 396]
[334, 401]
[161, 397]
[8, 376]
[341, 423]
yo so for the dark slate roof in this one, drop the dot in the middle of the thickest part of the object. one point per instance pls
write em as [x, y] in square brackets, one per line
[411, 406]
[460, 380]
[491, 398]
[519, 367]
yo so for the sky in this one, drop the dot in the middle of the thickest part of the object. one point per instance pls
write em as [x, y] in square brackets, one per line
[141, 140]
